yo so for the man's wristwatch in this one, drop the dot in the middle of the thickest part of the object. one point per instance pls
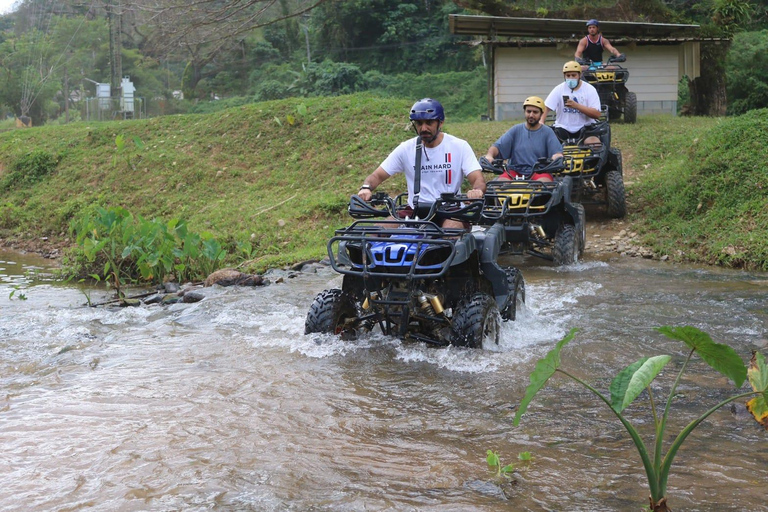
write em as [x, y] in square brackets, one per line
[366, 187]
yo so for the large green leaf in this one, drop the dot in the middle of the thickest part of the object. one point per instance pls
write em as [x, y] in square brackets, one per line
[544, 369]
[758, 378]
[720, 357]
[633, 379]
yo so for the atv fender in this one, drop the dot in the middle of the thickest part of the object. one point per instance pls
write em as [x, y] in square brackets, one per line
[489, 243]
[465, 247]
[614, 159]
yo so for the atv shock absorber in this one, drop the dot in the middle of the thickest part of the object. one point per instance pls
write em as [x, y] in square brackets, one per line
[431, 304]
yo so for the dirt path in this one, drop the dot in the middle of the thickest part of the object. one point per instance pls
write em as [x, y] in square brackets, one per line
[606, 236]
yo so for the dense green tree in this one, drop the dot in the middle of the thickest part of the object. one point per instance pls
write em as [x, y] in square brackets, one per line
[747, 71]
[391, 36]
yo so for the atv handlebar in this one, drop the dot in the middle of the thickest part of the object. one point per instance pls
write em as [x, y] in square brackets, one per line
[380, 205]
[544, 164]
[611, 60]
[448, 206]
[496, 167]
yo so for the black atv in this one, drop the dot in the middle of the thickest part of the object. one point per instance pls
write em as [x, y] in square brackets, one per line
[416, 280]
[596, 169]
[539, 217]
[610, 80]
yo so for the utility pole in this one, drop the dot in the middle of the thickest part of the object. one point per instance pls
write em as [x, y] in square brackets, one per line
[66, 95]
[115, 17]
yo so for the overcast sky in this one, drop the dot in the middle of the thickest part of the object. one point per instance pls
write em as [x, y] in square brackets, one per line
[5, 5]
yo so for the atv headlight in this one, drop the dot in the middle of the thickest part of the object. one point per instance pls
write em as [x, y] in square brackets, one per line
[434, 258]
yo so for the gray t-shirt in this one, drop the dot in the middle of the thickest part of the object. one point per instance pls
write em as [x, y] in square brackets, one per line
[523, 147]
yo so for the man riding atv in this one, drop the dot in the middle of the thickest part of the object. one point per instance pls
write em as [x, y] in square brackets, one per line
[417, 272]
[443, 161]
[591, 46]
[576, 104]
[525, 144]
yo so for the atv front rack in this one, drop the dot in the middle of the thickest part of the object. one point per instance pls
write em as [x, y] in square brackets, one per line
[518, 198]
[400, 249]
[585, 160]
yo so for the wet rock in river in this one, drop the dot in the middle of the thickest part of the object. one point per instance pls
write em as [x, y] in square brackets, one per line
[232, 277]
[192, 296]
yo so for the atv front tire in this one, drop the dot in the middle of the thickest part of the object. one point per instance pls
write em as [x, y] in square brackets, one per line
[566, 248]
[476, 322]
[332, 311]
[615, 196]
[515, 294]
[630, 108]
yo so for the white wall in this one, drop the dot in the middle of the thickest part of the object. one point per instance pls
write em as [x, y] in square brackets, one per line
[523, 72]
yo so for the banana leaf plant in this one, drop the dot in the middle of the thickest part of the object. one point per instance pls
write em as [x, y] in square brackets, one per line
[637, 377]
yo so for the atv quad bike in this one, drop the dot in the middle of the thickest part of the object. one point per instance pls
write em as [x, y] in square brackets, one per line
[596, 170]
[539, 217]
[610, 80]
[416, 280]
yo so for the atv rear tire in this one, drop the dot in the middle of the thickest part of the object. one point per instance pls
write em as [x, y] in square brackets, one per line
[583, 231]
[614, 195]
[331, 312]
[515, 294]
[566, 248]
[476, 322]
[630, 108]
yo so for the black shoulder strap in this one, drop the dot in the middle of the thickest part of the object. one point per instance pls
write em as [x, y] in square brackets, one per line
[417, 175]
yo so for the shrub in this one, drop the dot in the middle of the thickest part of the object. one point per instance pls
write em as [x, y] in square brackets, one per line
[29, 169]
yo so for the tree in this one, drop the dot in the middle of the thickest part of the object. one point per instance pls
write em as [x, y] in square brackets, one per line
[205, 31]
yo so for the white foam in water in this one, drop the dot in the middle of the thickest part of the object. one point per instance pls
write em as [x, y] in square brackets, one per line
[580, 266]
[451, 358]
[543, 320]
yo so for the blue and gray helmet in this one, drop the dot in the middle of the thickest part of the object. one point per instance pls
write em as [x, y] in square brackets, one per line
[426, 109]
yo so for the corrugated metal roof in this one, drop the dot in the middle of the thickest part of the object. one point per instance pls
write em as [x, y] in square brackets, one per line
[621, 41]
[499, 26]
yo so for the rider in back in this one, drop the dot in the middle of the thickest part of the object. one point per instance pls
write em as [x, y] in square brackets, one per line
[591, 46]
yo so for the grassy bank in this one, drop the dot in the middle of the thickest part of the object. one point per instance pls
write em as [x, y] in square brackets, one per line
[703, 195]
[279, 174]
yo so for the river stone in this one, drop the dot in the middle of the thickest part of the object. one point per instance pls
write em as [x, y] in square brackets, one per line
[302, 265]
[192, 296]
[232, 277]
[154, 299]
[129, 303]
[171, 287]
[170, 298]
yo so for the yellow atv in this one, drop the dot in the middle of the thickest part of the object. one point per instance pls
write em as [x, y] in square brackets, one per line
[610, 80]
[596, 170]
[539, 217]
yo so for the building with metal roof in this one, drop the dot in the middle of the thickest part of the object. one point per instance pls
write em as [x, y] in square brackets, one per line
[525, 57]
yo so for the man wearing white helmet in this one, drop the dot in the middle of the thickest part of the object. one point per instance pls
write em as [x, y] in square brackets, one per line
[591, 46]
[523, 144]
[575, 102]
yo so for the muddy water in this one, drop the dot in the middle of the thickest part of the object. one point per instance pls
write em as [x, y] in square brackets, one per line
[226, 405]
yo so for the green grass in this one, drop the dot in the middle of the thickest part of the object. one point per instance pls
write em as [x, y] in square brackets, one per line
[703, 195]
[248, 173]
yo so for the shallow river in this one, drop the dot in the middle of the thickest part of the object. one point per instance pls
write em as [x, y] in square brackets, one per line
[226, 405]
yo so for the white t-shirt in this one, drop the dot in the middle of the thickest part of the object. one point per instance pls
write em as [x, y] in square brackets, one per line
[570, 118]
[443, 167]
